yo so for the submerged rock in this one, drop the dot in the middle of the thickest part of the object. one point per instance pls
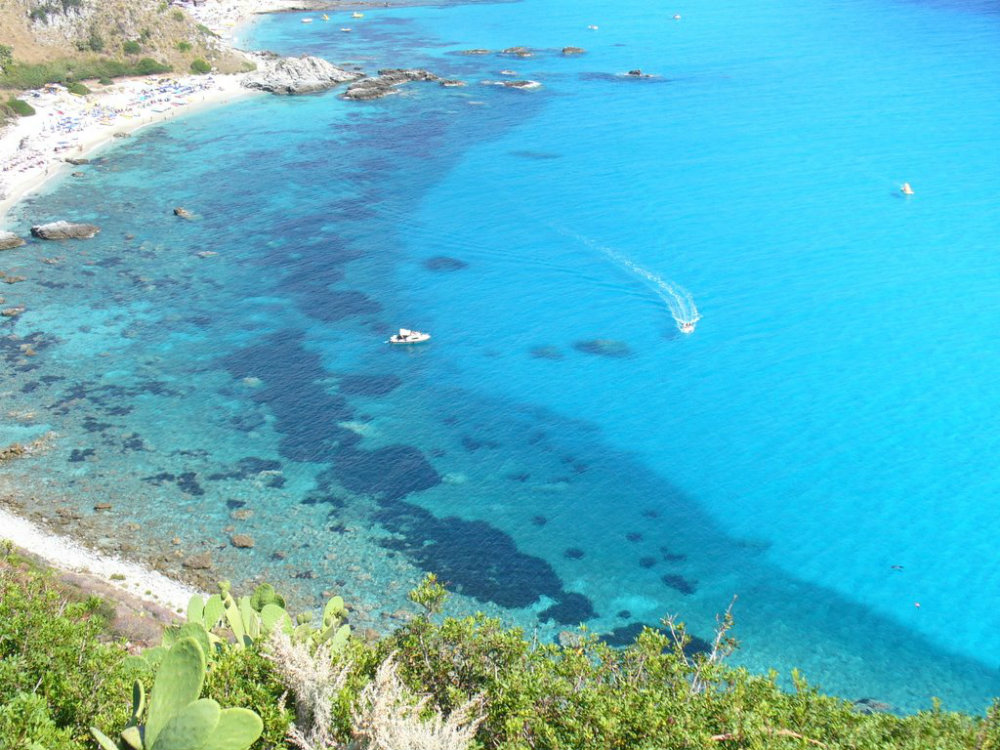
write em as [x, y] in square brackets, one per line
[444, 263]
[298, 75]
[76, 162]
[183, 213]
[9, 240]
[573, 51]
[475, 52]
[201, 561]
[603, 347]
[385, 83]
[242, 541]
[64, 230]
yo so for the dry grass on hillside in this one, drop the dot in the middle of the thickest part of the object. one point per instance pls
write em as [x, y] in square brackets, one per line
[117, 29]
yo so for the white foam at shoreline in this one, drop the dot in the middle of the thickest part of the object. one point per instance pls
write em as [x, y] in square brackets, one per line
[69, 555]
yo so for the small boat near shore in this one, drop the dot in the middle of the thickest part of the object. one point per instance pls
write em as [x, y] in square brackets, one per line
[406, 336]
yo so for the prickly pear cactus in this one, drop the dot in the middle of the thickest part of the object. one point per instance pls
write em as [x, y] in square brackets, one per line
[176, 718]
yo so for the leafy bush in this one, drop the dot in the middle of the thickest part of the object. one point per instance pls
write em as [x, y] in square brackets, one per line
[200, 67]
[178, 15]
[20, 107]
[75, 87]
[6, 56]
[22, 76]
[95, 42]
[184, 46]
[57, 678]
[131, 47]
[148, 66]
[49, 650]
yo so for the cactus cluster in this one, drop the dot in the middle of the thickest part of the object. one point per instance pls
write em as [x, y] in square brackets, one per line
[176, 718]
[253, 618]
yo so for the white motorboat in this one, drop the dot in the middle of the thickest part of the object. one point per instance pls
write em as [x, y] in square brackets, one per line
[686, 327]
[406, 336]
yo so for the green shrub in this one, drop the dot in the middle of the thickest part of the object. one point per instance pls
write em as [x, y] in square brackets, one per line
[205, 30]
[105, 81]
[95, 42]
[200, 67]
[75, 87]
[6, 56]
[131, 48]
[26, 724]
[184, 46]
[178, 15]
[22, 76]
[49, 649]
[20, 107]
[148, 66]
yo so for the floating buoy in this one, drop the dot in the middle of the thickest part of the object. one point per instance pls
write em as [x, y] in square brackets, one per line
[677, 16]
[906, 189]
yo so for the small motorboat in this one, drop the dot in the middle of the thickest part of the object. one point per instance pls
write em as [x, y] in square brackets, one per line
[307, 20]
[326, 17]
[906, 189]
[406, 336]
[357, 15]
[686, 327]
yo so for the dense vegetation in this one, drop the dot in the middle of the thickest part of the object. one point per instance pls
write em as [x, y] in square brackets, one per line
[435, 683]
[22, 76]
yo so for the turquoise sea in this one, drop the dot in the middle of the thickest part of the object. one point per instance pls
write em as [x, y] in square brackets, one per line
[822, 446]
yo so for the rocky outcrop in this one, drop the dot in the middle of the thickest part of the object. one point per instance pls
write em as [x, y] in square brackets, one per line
[183, 213]
[517, 52]
[9, 240]
[573, 50]
[525, 84]
[385, 83]
[297, 75]
[76, 161]
[64, 230]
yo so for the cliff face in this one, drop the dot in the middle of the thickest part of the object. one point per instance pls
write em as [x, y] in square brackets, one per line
[46, 30]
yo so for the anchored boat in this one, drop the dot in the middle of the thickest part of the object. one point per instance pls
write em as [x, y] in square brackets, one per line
[406, 336]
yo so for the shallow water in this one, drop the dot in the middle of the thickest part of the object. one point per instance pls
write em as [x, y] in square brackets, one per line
[821, 446]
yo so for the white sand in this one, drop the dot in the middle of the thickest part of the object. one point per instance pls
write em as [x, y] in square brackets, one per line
[32, 151]
[65, 554]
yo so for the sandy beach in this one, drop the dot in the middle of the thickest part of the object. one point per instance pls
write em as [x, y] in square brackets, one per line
[67, 126]
[34, 150]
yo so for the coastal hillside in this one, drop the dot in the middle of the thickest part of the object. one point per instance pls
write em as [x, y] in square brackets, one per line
[87, 37]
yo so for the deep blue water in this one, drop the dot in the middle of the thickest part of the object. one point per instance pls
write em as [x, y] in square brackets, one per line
[821, 446]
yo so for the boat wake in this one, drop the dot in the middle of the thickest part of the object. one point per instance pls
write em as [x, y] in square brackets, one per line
[677, 298]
